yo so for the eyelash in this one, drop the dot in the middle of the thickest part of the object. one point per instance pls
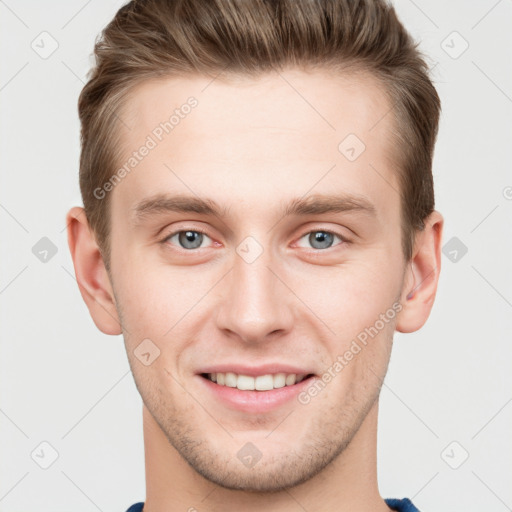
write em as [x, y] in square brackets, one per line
[344, 240]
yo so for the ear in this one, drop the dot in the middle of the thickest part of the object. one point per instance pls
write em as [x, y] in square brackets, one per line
[91, 274]
[421, 276]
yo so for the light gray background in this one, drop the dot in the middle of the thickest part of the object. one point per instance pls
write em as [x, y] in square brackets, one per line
[65, 383]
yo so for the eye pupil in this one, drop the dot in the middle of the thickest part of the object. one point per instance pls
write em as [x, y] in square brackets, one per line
[187, 237]
[322, 237]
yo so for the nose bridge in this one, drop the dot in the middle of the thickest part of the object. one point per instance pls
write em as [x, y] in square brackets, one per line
[255, 303]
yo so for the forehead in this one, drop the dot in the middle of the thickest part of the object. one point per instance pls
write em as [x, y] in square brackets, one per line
[288, 100]
[246, 139]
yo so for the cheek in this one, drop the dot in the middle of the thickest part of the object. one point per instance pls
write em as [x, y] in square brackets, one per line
[349, 298]
[157, 300]
[360, 362]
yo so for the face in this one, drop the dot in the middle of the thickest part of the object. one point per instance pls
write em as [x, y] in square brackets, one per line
[270, 281]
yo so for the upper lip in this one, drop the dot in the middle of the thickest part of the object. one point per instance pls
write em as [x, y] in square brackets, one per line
[254, 371]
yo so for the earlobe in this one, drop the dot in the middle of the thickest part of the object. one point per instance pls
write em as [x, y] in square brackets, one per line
[91, 275]
[422, 276]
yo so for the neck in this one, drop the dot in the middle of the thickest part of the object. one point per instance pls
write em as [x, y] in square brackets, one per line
[348, 483]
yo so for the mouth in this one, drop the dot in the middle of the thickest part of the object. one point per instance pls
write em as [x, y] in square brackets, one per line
[267, 382]
[254, 394]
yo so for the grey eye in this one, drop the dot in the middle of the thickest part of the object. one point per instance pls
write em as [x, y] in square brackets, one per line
[189, 239]
[321, 239]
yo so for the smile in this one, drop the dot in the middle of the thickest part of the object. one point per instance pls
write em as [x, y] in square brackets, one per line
[257, 394]
[259, 383]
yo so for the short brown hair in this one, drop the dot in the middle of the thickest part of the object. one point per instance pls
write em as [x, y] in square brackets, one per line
[168, 38]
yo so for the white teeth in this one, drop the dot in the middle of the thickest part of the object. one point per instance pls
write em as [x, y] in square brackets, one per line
[264, 383]
[290, 379]
[230, 380]
[245, 382]
[260, 383]
[279, 380]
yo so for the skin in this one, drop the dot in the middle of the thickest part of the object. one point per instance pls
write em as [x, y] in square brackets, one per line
[253, 145]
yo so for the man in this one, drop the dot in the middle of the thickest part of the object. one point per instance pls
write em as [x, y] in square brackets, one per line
[258, 221]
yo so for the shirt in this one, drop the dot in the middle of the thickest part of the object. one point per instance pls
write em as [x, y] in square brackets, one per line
[404, 505]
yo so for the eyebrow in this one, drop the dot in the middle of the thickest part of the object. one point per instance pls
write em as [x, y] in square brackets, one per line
[313, 204]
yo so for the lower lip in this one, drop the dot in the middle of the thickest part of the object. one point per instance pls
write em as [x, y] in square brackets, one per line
[255, 401]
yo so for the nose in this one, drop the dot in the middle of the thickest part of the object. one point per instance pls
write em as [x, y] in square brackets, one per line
[256, 304]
